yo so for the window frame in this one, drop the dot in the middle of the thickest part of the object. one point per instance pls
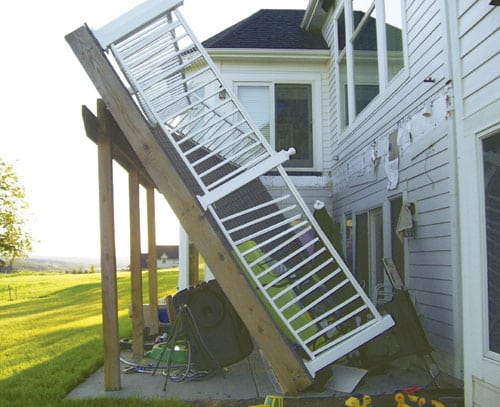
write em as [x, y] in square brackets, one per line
[375, 224]
[314, 81]
[383, 210]
[347, 108]
[481, 136]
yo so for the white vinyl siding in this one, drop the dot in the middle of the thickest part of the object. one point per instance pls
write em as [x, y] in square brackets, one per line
[425, 174]
[480, 56]
[475, 61]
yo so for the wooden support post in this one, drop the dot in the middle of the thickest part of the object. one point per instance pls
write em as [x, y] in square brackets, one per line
[194, 265]
[152, 262]
[108, 257]
[135, 267]
[289, 368]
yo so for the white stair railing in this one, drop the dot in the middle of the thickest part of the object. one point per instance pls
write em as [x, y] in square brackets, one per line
[305, 284]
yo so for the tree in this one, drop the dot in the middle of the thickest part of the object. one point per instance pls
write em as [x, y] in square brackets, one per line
[15, 240]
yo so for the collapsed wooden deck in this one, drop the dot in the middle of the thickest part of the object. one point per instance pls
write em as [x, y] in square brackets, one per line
[288, 367]
[212, 185]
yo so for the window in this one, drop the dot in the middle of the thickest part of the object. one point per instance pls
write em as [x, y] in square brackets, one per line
[256, 100]
[491, 157]
[376, 249]
[370, 236]
[362, 263]
[283, 113]
[293, 126]
[369, 52]
[369, 250]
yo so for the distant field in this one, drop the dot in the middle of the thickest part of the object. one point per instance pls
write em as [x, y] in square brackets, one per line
[51, 333]
[61, 264]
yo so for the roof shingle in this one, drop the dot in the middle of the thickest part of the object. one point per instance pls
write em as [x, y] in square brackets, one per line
[268, 29]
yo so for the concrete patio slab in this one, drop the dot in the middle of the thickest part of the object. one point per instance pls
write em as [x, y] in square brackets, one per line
[249, 379]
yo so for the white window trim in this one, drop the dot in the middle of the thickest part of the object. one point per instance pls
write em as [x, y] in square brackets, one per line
[373, 261]
[482, 135]
[386, 88]
[313, 79]
[388, 234]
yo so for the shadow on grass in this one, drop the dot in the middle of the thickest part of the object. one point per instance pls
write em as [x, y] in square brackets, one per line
[60, 347]
[60, 300]
[48, 383]
[70, 301]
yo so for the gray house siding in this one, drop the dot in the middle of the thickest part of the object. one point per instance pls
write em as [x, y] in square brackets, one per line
[425, 175]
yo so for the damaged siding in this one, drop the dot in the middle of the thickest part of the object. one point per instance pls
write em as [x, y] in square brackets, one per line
[360, 183]
[430, 251]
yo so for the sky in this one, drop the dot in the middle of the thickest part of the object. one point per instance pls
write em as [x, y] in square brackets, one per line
[42, 133]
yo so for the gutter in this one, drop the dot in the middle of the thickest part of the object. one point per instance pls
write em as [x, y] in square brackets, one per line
[316, 55]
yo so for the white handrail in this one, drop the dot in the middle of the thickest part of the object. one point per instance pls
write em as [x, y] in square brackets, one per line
[278, 242]
[134, 20]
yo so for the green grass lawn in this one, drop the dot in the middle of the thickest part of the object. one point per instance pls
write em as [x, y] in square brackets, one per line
[51, 334]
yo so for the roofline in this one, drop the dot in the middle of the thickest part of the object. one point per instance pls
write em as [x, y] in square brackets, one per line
[320, 55]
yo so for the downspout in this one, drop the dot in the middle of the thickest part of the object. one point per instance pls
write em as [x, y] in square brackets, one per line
[450, 45]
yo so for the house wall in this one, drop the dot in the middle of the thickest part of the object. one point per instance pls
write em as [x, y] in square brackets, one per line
[475, 59]
[426, 171]
[169, 263]
[313, 184]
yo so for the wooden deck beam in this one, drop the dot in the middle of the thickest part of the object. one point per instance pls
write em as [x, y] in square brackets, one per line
[122, 152]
